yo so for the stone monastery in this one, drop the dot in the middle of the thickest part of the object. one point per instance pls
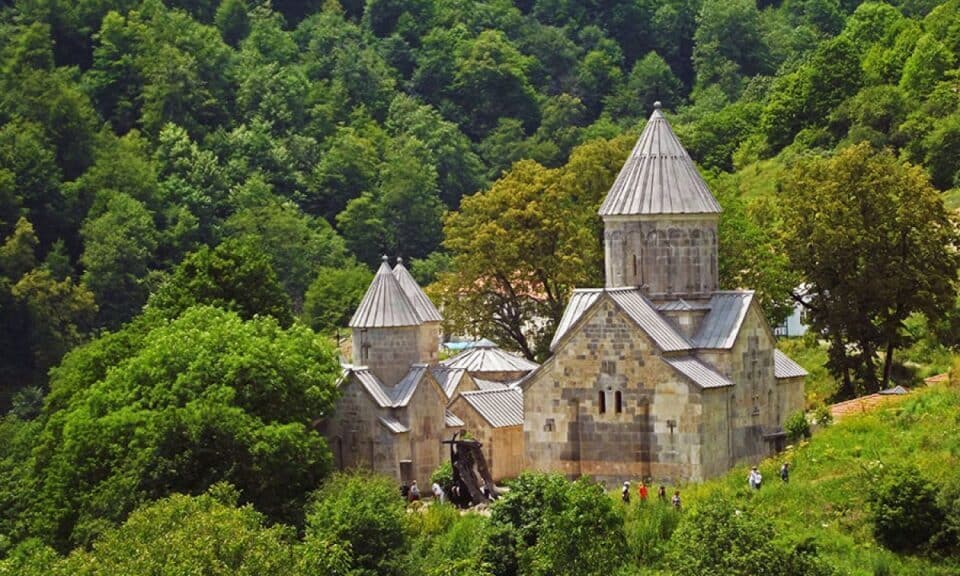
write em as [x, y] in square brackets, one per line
[658, 375]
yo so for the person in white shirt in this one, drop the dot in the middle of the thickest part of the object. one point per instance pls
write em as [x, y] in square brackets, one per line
[438, 494]
[755, 479]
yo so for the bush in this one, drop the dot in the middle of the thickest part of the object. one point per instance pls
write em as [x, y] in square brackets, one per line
[904, 509]
[715, 538]
[822, 415]
[366, 512]
[797, 426]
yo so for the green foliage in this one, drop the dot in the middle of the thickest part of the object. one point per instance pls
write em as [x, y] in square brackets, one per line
[903, 506]
[557, 527]
[179, 406]
[365, 512]
[822, 416]
[877, 252]
[334, 296]
[716, 538]
[797, 426]
[236, 275]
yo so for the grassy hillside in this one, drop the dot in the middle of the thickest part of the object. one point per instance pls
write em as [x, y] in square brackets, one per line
[825, 500]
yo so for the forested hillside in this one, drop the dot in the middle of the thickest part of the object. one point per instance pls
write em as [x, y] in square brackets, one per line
[192, 195]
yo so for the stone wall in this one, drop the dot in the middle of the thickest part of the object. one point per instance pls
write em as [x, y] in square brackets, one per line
[607, 406]
[355, 435]
[790, 397]
[428, 343]
[674, 256]
[754, 404]
[388, 352]
[425, 417]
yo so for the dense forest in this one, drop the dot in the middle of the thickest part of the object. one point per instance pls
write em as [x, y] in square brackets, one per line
[193, 193]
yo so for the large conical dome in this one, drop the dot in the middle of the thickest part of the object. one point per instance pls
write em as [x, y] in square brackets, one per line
[421, 302]
[385, 304]
[659, 177]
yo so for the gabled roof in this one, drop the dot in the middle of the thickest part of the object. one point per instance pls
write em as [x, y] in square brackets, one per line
[635, 305]
[421, 303]
[659, 177]
[448, 378]
[485, 356]
[396, 397]
[403, 391]
[385, 304]
[785, 367]
[701, 374]
[500, 408]
[373, 386]
[451, 420]
[393, 424]
[722, 324]
[488, 384]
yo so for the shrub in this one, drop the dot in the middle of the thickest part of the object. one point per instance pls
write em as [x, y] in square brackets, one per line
[366, 512]
[822, 415]
[904, 509]
[797, 426]
[715, 538]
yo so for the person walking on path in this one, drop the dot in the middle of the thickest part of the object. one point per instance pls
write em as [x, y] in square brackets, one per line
[676, 500]
[642, 492]
[785, 472]
[662, 493]
[414, 492]
[754, 479]
[625, 492]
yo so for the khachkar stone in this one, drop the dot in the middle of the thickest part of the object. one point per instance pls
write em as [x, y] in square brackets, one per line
[660, 220]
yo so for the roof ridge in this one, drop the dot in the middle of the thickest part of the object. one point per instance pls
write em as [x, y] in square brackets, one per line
[421, 303]
[385, 303]
[659, 177]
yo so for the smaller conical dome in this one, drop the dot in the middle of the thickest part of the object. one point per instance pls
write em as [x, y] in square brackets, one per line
[659, 177]
[385, 304]
[421, 302]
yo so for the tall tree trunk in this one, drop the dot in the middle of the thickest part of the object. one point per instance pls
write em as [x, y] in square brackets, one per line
[888, 364]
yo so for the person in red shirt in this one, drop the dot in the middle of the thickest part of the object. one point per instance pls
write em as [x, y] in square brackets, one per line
[642, 491]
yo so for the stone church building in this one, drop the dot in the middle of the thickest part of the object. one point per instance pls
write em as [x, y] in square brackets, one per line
[659, 374]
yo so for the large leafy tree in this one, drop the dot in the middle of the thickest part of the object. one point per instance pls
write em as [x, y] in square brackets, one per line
[874, 244]
[236, 275]
[520, 247]
[176, 407]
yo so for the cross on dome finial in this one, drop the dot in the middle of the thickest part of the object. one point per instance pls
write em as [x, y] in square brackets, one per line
[383, 258]
[657, 105]
[399, 259]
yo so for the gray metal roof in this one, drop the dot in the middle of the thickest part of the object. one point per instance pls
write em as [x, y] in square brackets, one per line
[680, 305]
[721, 326]
[701, 375]
[373, 386]
[635, 305]
[448, 378]
[403, 391]
[656, 326]
[580, 301]
[451, 420]
[488, 384]
[785, 367]
[421, 303]
[489, 359]
[385, 304]
[659, 177]
[500, 408]
[393, 424]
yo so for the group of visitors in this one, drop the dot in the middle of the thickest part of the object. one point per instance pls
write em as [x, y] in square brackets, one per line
[755, 479]
[644, 493]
